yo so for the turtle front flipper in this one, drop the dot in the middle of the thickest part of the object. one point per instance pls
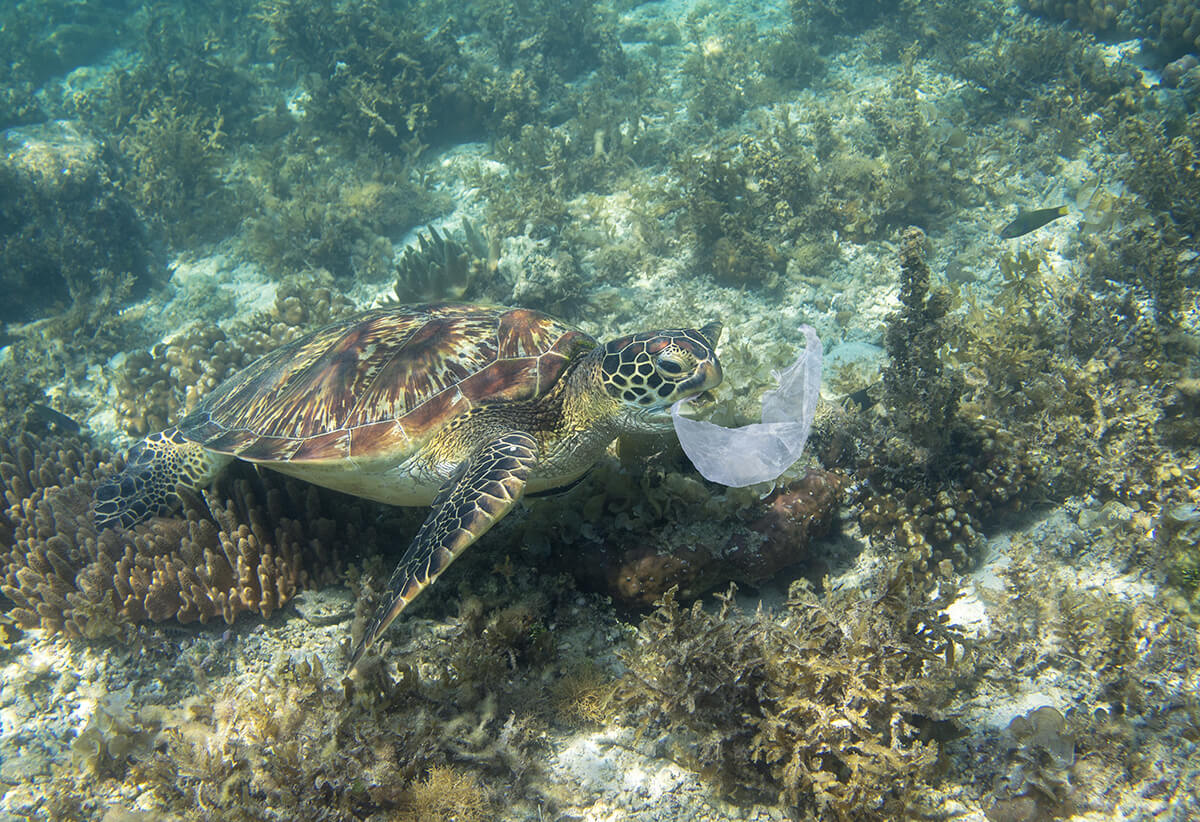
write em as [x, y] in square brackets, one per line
[485, 486]
[156, 469]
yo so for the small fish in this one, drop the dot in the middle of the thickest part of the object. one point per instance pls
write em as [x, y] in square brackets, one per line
[861, 398]
[1028, 221]
[55, 422]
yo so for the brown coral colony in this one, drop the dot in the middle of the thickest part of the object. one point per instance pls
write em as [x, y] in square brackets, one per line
[251, 554]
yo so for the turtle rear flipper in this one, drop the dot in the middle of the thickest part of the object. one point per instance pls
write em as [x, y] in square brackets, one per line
[155, 472]
[482, 490]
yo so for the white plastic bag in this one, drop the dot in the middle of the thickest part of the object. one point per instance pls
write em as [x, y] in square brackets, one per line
[762, 451]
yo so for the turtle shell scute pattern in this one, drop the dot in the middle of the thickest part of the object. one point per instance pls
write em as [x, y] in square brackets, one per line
[382, 381]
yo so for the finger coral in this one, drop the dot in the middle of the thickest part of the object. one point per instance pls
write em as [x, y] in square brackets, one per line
[250, 552]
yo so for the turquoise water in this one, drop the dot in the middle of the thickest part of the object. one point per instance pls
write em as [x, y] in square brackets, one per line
[973, 595]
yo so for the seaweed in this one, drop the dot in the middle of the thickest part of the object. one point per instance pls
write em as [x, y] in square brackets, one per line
[567, 38]
[71, 244]
[374, 76]
[830, 707]
[44, 38]
[922, 393]
[174, 109]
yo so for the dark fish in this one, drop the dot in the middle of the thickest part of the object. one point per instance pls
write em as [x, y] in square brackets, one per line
[1028, 221]
[55, 422]
[863, 397]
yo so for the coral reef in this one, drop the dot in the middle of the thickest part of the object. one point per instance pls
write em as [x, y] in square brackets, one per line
[458, 723]
[70, 240]
[551, 37]
[1178, 532]
[1044, 750]
[839, 16]
[1157, 250]
[250, 551]
[1084, 382]
[1067, 393]
[42, 39]
[832, 701]
[157, 386]
[727, 196]
[1126, 658]
[1171, 26]
[372, 75]
[333, 209]
[634, 161]
[1177, 28]
[1090, 15]
[764, 208]
[174, 111]
[932, 478]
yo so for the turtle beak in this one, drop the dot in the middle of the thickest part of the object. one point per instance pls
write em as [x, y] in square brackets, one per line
[696, 388]
[707, 377]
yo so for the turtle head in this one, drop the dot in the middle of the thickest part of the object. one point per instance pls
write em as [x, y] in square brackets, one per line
[647, 373]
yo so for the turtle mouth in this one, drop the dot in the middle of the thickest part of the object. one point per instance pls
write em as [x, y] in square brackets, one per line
[688, 406]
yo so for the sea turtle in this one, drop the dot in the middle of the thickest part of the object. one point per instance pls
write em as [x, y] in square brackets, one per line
[462, 407]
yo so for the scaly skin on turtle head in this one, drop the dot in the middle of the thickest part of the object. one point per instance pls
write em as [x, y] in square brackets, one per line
[647, 373]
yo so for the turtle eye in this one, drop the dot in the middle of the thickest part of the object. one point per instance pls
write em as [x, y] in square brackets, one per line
[669, 365]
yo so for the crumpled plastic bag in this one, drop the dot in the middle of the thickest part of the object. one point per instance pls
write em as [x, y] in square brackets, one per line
[762, 451]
